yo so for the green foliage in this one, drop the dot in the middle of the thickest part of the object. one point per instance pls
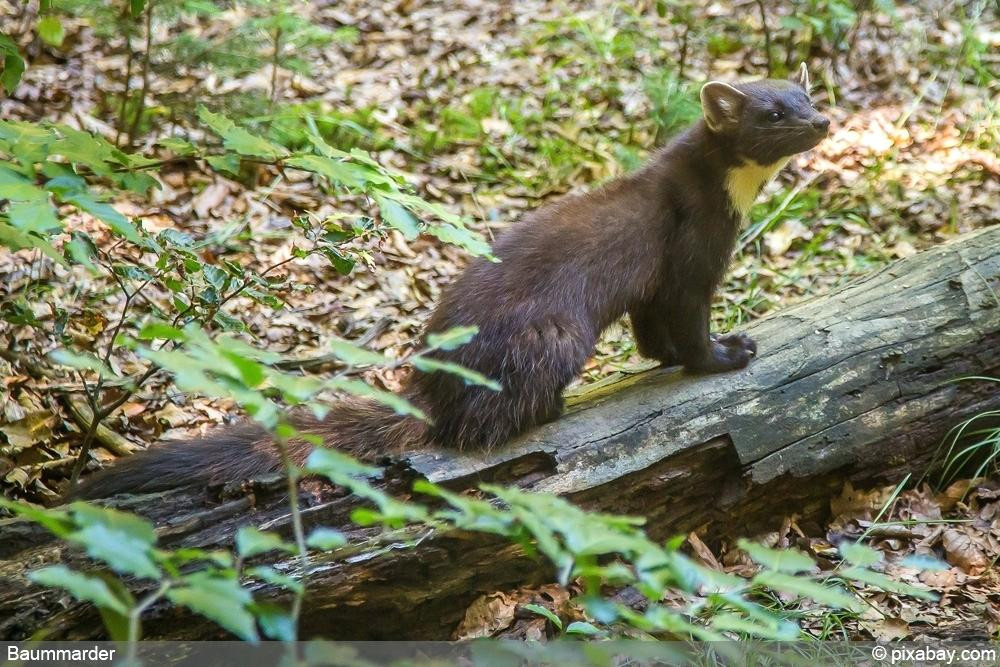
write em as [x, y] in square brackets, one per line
[81, 586]
[674, 103]
[51, 172]
[783, 560]
[13, 63]
[50, 165]
[971, 447]
[597, 549]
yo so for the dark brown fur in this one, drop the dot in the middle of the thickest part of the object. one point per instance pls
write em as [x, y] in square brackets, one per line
[653, 244]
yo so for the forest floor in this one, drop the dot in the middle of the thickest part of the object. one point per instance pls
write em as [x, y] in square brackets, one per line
[493, 107]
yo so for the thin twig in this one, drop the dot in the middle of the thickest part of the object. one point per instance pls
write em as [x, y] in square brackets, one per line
[123, 107]
[134, 616]
[767, 35]
[93, 397]
[292, 475]
[145, 75]
[274, 69]
[684, 50]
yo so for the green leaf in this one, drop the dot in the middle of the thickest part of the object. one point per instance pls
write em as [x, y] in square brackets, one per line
[252, 542]
[115, 623]
[337, 465]
[732, 623]
[924, 562]
[355, 355]
[82, 249]
[452, 338]
[87, 149]
[50, 29]
[119, 224]
[215, 276]
[275, 622]
[82, 360]
[340, 172]
[358, 388]
[884, 583]
[218, 599]
[134, 526]
[229, 323]
[160, 331]
[13, 64]
[178, 146]
[226, 164]
[326, 539]
[250, 372]
[275, 578]
[542, 611]
[56, 522]
[781, 560]
[856, 553]
[15, 185]
[470, 376]
[238, 139]
[14, 238]
[122, 552]
[81, 586]
[462, 237]
[35, 216]
[583, 628]
[830, 596]
[343, 264]
[397, 216]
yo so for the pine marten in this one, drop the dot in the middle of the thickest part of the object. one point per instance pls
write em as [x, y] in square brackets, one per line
[653, 244]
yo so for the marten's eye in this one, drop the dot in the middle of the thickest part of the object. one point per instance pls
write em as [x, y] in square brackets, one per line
[775, 116]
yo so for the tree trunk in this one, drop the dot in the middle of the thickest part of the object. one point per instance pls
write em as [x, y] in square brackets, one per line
[859, 386]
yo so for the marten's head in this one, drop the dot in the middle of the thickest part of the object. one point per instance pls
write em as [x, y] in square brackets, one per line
[764, 121]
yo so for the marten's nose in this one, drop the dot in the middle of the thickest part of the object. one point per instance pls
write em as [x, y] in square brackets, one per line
[821, 123]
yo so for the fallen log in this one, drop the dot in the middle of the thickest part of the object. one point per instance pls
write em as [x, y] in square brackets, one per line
[858, 385]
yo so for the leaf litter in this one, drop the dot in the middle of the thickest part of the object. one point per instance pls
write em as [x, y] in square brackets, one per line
[911, 162]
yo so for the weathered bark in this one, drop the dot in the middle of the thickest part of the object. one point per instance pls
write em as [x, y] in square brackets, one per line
[857, 385]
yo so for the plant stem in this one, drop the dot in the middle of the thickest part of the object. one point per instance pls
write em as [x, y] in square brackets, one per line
[93, 397]
[767, 36]
[684, 50]
[274, 69]
[292, 475]
[123, 107]
[136, 613]
[137, 117]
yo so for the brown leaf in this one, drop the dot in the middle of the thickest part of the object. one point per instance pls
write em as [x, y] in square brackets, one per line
[852, 503]
[962, 550]
[210, 198]
[27, 432]
[889, 629]
[956, 492]
[487, 615]
[702, 552]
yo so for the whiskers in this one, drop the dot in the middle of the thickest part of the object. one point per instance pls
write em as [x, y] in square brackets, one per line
[788, 132]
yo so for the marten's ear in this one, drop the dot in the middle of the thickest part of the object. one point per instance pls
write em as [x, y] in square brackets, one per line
[722, 105]
[803, 78]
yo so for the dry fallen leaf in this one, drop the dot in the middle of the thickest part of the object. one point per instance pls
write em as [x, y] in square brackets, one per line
[703, 553]
[856, 503]
[487, 615]
[889, 629]
[961, 550]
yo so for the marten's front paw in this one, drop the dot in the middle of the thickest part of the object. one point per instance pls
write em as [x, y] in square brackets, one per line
[726, 353]
[739, 340]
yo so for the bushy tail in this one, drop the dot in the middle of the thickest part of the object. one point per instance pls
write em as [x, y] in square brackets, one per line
[359, 427]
